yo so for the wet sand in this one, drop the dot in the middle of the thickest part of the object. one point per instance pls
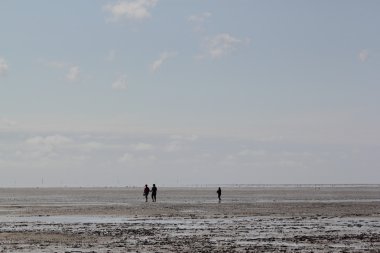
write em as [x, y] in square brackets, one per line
[249, 219]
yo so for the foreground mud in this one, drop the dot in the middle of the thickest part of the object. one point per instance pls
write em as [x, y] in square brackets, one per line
[238, 224]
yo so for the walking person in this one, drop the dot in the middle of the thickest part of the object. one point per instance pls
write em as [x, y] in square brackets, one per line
[146, 192]
[154, 193]
[219, 192]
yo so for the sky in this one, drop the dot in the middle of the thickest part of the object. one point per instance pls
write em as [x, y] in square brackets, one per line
[122, 93]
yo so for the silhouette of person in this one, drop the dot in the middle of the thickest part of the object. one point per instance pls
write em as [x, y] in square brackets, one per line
[219, 192]
[146, 192]
[154, 193]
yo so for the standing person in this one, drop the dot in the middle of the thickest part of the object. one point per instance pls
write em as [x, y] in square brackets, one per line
[219, 192]
[154, 193]
[146, 192]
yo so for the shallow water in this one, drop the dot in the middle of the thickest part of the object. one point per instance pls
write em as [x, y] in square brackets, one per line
[131, 196]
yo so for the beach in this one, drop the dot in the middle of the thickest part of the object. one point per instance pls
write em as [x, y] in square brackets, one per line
[303, 218]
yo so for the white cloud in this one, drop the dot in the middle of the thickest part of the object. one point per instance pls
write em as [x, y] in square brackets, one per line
[163, 57]
[7, 122]
[200, 17]
[127, 157]
[73, 74]
[58, 149]
[121, 83]
[4, 68]
[173, 146]
[44, 147]
[142, 146]
[178, 142]
[363, 55]
[220, 45]
[132, 10]
[198, 20]
[52, 140]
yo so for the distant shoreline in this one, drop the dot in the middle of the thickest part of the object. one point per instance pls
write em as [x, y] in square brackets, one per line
[208, 186]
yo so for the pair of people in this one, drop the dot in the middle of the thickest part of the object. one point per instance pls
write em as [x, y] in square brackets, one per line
[153, 191]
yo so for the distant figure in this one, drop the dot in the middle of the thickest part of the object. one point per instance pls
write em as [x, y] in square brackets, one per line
[146, 192]
[154, 193]
[219, 191]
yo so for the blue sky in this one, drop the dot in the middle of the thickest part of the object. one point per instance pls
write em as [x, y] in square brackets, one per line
[123, 92]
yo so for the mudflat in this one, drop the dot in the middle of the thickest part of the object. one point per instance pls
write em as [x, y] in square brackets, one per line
[248, 219]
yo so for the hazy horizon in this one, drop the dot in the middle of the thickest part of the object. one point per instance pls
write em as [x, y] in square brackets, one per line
[116, 93]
